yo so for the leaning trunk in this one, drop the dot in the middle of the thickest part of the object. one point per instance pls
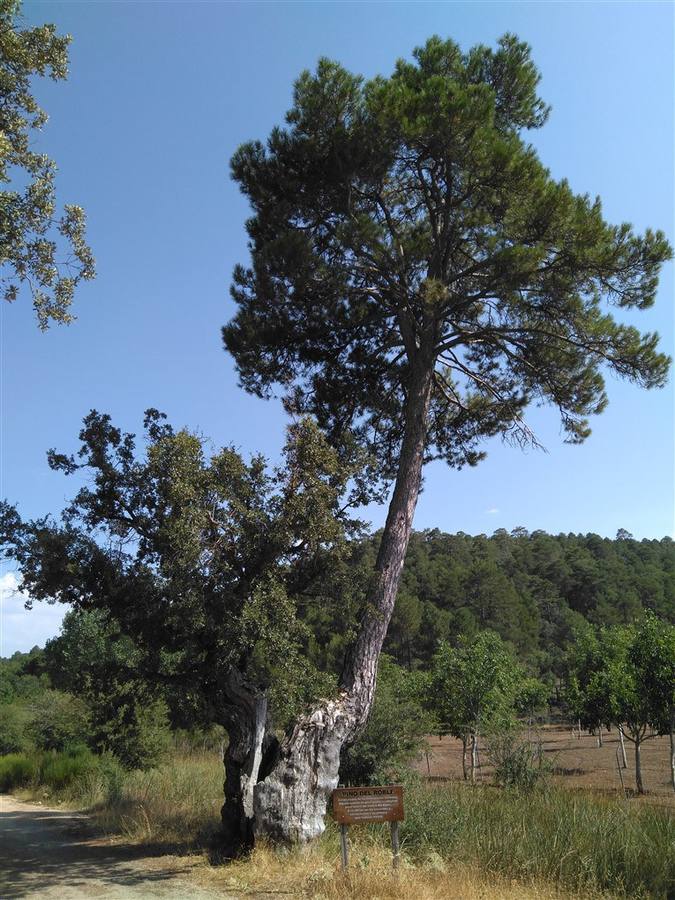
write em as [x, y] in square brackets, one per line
[290, 804]
[624, 761]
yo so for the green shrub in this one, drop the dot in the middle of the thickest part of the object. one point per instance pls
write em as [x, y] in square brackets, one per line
[17, 770]
[516, 763]
[135, 730]
[63, 770]
[395, 731]
[13, 736]
[58, 721]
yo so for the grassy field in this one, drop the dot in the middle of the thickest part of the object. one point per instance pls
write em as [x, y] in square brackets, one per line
[576, 763]
[457, 841]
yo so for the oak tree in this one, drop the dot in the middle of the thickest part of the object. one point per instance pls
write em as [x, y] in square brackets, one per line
[208, 564]
[40, 249]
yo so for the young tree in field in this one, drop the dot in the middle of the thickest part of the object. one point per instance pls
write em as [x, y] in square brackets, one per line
[591, 690]
[417, 280]
[47, 254]
[651, 658]
[474, 688]
[532, 697]
[625, 676]
[207, 562]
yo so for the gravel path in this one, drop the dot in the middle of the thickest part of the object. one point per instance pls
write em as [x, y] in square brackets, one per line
[47, 853]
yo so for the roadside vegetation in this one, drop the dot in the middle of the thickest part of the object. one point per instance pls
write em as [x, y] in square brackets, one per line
[546, 840]
[517, 835]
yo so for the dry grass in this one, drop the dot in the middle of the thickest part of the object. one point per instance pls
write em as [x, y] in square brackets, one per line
[456, 841]
[316, 873]
[177, 804]
[578, 763]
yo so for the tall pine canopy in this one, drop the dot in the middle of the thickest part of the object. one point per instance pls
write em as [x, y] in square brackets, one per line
[406, 221]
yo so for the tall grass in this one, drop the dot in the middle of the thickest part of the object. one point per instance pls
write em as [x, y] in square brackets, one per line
[565, 840]
[177, 803]
[581, 842]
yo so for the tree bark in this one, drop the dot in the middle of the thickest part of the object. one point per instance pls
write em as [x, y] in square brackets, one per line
[474, 756]
[638, 765]
[672, 748]
[624, 761]
[290, 804]
[245, 718]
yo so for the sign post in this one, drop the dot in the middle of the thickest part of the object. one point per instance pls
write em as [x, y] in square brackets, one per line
[366, 805]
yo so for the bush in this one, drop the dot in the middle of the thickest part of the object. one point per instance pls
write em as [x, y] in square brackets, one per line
[77, 773]
[62, 770]
[136, 733]
[516, 763]
[395, 731]
[17, 770]
[13, 737]
[58, 721]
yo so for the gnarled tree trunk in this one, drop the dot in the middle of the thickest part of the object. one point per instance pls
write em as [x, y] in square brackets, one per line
[290, 803]
[251, 743]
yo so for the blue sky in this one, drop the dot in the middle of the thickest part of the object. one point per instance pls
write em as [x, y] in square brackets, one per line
[161, 94]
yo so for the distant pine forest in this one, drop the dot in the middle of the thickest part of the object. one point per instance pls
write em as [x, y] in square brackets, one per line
[534, 589]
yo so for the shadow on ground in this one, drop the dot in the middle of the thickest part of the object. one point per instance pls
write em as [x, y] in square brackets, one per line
[52, 853]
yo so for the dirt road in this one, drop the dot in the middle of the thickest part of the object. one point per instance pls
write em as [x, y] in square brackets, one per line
[47, 854]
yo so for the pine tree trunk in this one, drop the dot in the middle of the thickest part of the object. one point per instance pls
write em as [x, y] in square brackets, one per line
[290, 804]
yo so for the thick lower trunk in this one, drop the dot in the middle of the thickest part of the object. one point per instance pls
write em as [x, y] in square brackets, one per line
[290, 804]
[249, 740]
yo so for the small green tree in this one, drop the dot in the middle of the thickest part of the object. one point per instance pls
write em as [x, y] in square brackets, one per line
[473, 689]
[625, 675]
[14, 737]
[31, 237]
[651, 664]
[396, 728]
[59, 721]
[590, 689]
[532, 697]
[93, 660]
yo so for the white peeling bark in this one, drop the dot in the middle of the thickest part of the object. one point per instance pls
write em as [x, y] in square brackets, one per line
[245, 718]
[250, 779]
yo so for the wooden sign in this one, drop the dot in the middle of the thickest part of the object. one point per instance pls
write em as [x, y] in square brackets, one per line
[360, 805]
